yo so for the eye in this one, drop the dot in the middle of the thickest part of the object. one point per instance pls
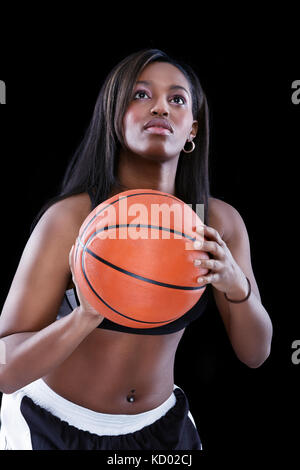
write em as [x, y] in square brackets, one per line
[140, 95]
[179, 99]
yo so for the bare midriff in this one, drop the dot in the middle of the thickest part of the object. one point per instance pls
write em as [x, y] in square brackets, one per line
[118, 373]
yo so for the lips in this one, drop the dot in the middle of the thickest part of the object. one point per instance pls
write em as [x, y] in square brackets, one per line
[159, 122]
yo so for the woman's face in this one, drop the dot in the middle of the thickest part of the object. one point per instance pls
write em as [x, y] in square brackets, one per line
[159, 119]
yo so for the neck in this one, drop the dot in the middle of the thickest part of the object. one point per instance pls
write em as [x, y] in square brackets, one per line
[136, 172]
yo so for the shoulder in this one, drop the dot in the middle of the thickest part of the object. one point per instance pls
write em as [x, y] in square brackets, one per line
[77, 205]
[69, 211]
[59, 225]
[224, 218]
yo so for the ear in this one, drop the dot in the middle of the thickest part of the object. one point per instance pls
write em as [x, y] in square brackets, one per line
[194, 130]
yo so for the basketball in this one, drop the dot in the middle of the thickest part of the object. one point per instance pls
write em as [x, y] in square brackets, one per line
[133, 258]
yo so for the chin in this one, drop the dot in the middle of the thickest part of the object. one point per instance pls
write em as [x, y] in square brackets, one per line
[157, 156]
[157, 152]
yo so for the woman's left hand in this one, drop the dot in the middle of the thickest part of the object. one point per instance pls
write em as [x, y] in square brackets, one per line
[224, 273]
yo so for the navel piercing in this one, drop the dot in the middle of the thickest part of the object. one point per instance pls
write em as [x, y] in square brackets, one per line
[131, 398]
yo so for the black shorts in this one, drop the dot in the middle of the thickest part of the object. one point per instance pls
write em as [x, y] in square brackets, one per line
[175, 430]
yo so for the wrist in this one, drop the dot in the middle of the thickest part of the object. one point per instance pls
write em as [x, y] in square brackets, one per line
[88, 318]
[240, 291]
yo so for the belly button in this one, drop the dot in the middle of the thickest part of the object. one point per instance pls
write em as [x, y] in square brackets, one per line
[131, 397]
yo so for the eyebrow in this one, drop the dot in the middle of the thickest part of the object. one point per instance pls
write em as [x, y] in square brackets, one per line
[172, 87]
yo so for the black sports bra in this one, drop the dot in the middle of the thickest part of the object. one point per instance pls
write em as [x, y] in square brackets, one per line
[71, 301]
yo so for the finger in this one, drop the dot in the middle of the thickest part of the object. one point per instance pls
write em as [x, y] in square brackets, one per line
[209, 279]
[211, 264]
[213, 233]
[210, 246]
[200, 229]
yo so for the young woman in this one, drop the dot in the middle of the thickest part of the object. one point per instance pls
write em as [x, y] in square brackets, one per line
[72, 379]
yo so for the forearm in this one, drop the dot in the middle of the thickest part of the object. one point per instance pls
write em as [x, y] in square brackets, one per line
[29, 356]
[250, 331]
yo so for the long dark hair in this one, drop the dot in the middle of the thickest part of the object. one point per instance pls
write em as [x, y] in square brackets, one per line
[93, 167]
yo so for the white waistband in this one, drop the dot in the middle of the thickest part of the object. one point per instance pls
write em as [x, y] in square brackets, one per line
[89, 420]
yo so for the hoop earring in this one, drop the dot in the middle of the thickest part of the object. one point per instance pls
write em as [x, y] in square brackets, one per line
[192, 149]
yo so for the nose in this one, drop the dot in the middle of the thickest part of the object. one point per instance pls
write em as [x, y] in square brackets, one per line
[159, 109]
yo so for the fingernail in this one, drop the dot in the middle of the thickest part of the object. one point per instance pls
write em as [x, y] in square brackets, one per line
[197, 244]
[197, 262]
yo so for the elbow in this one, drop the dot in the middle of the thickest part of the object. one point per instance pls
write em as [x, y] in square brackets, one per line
[4, 380]
[7, 390]
[255, 365]
[255, 356]
[6, 385]
[4, 388]
[255, 362]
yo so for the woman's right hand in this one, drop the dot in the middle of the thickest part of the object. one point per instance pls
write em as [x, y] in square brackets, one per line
[84, 305]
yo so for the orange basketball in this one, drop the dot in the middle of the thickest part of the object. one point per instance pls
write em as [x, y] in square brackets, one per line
[133, 258]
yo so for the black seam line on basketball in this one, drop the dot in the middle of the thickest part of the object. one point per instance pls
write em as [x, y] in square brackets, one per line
[137, 276]
[123, 197]
[133, 225]
[116, 311]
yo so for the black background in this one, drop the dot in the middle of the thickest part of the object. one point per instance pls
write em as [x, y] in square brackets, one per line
[52, 86]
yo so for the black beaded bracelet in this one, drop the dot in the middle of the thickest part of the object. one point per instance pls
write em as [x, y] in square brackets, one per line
[243, 300]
